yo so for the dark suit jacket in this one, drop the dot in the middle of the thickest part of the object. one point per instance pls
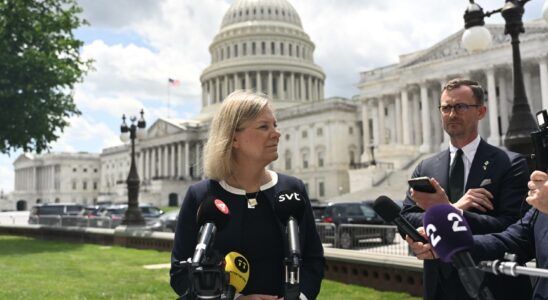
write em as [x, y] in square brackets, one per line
[508, 174]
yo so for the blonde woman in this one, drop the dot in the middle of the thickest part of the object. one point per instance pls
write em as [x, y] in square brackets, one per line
[243, 141]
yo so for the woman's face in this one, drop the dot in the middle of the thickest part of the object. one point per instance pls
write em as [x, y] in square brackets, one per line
[258, 141]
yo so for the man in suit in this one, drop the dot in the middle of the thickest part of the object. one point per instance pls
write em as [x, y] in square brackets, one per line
[486, 183]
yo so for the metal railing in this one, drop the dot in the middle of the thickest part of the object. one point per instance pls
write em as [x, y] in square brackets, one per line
[383, 239]
[76, 221]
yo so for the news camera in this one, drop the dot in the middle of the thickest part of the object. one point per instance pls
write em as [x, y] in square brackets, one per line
[540, 142]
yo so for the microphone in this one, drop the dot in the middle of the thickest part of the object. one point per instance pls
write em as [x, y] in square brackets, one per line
[212, 215]
[237, 267]
[510, 268]
[451, 238]
[289, 208]
[391, 212]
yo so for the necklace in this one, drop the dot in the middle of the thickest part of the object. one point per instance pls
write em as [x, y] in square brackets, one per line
[252, 202]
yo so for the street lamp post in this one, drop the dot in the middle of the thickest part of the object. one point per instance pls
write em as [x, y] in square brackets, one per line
[476, 37]
[133, 215]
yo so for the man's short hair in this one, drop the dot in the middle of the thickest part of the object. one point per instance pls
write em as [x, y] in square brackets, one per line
[476, 88]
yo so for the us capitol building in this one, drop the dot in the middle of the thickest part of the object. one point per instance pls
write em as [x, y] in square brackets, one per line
[328, 143]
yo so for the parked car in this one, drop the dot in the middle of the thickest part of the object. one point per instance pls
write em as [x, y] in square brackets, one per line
[356, 213]
[169, 220]
[55, 214]
[150, 213]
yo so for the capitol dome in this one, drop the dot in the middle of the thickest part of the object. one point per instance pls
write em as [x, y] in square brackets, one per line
[263, 10]
[262, 46]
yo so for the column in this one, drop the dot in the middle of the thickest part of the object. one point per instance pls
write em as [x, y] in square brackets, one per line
[426, 120]
[302, 95]
[187, 158]
[321, 89]
[259, 82]
[165, 161]
[247, 84]
[204, 95]
[173, 160]
[417, 132]
[140, 164]
[217, 90]
[365, 128]
[492, 109]
[225, 87]
[527, 83]
[436, 117]
[269, 85]
[198, 158]
[543, 66]
[309, 88]
[292, 87]
[503, 102]
[397, 118]
[281, 83]
[180, 162]
[208, 96]
[446, 137]
[381, 122]
[405, 117]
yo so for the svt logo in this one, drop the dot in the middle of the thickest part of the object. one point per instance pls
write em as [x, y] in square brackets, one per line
[291, 196]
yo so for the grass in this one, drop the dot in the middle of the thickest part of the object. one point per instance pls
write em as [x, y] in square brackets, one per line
[38, 269]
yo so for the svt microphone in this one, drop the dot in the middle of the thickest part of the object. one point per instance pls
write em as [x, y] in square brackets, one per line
[237, 267]
[451, 239]
[212, 214]
[391, 212]
[289, 207]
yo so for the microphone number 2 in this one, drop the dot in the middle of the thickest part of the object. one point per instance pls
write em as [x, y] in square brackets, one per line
[431, 228]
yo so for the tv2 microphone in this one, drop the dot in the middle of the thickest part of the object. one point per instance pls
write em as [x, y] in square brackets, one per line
[451, 239]
[391, 212]
[510, 268]
[237, 267]
[212, 214]
[289, 207]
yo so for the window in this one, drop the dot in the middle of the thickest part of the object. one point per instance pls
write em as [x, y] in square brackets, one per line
[95, 170]
[287, 137]
[74, 185]
[272, 48]
[281, 48]
[85, 170]
[350, 130]
[288, 162]
[95, 185]
[320, 159]
[304, 134]
[290, 49]
[263, 48]
[253, 48]
[352, 158]
[305, 160]
[73, 169]
[244, 49]
[319, 132]
[85, 185]
[235, 50]
[321, 189]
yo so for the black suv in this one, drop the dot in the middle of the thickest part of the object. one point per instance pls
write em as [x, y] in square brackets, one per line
[55, 214]
[351, 213]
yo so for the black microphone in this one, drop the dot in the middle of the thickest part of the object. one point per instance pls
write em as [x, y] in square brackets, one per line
[391, 212]
[451, 238]
[289, 207]
[212, 215]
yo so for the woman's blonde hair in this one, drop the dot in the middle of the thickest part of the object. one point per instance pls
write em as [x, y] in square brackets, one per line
[238, 109]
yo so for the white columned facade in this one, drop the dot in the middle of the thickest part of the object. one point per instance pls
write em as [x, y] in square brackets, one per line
[426, 121]
[366, 139]
[492, 109]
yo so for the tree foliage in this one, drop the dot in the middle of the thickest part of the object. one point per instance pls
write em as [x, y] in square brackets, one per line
[39, 64]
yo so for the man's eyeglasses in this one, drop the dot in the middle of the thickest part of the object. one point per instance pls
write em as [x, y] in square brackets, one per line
[459, 107]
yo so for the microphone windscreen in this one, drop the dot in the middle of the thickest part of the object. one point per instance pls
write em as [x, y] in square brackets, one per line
[386, 208]
[213, 211]
[237, 266]
[447, 231]
[289, 204]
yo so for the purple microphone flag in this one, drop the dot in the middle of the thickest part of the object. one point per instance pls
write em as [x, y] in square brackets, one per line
[447, 230]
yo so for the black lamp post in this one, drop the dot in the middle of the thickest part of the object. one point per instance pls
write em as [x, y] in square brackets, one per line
[133, 215]
[476, 37]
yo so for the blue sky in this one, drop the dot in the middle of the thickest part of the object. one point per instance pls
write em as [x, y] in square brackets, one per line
[136, 51]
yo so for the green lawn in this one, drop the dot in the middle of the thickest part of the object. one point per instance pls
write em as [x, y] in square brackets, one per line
[37, 269]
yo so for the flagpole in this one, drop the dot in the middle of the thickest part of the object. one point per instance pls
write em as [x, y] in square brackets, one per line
[168, 88]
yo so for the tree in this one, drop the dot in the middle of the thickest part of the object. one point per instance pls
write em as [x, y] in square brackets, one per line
[39, 64]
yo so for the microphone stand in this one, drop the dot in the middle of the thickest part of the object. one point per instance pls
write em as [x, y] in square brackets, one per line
[207, 278]
[510, 268]
[292, 267]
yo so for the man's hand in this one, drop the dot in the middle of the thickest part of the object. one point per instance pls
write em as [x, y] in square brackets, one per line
[421, 250]
[538, 191]
[427, 200]
[480, 199]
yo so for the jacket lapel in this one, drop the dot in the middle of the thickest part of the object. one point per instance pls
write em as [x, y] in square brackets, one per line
[480, 165]
[441, 169]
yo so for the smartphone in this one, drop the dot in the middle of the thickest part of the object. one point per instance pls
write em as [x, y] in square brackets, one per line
[422, 184]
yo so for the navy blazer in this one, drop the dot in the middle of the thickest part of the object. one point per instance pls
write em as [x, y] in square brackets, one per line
[507, 175]
[526, 238]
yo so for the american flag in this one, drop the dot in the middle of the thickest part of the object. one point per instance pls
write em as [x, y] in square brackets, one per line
[173, 82]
